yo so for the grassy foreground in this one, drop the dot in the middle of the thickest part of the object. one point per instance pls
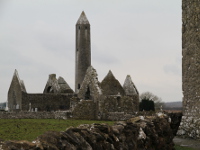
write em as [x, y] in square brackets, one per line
[177, 147]
[29, 129]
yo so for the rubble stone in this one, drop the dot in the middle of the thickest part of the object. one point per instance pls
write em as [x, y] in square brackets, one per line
[151, 134]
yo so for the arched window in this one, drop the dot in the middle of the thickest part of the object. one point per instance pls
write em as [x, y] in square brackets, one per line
[50, 89]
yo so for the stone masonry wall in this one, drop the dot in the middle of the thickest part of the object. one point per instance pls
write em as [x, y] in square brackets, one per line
[46, 102]
[190, 125]
[191, 57]
[124, 104]
[83, 49]
[108, 108]
[15, 93]
[152, 133]
[85, 110]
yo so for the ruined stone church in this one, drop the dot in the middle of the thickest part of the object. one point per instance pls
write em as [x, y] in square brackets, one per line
[91, 99]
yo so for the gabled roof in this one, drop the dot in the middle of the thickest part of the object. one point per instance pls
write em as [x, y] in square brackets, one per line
[111, 86]
[17, 79]
[22, 86]
[83, 19]
[64, 87]
[129, 86]
[55, 85]
[90, 86]
[52, 85]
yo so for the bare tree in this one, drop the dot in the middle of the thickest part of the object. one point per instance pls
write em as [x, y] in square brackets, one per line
[150, 96]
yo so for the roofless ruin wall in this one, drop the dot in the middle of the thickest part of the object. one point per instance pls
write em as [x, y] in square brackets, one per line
[46, 102]
[191, 68]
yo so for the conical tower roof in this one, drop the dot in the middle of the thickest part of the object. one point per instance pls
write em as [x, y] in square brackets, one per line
[129, 86]
[111, 86]
[83, 19]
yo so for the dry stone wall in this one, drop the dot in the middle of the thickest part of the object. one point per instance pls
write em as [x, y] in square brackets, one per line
[190, 125]
[151, 133]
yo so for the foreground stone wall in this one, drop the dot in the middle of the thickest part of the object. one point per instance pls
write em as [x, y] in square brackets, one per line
[190, 125]
[175, 121]
[117, 116]
[152, 133]
[46, 102]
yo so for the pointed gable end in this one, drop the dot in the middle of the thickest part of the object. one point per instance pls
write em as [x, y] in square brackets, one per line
[64, 87]
[15, 92]
[111, 86]
[16, 82]
[129, 86]
[90, 89]
[52, 85]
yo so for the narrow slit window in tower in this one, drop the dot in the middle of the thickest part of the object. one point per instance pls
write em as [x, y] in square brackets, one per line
[79, 86]
[118, 101]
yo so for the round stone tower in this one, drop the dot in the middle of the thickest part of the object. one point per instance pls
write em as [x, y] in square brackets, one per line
[190, 122]
[83, 49]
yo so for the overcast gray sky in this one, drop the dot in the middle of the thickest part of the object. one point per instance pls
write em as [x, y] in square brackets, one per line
[141, 38]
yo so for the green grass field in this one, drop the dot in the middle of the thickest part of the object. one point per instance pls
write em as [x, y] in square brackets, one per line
[177, 147]
[29, 129]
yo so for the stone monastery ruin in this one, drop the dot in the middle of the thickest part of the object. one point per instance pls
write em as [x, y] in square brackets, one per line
[91, 100]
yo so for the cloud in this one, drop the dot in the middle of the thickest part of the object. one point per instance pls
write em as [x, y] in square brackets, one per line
[133, 37]
[173, 69]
